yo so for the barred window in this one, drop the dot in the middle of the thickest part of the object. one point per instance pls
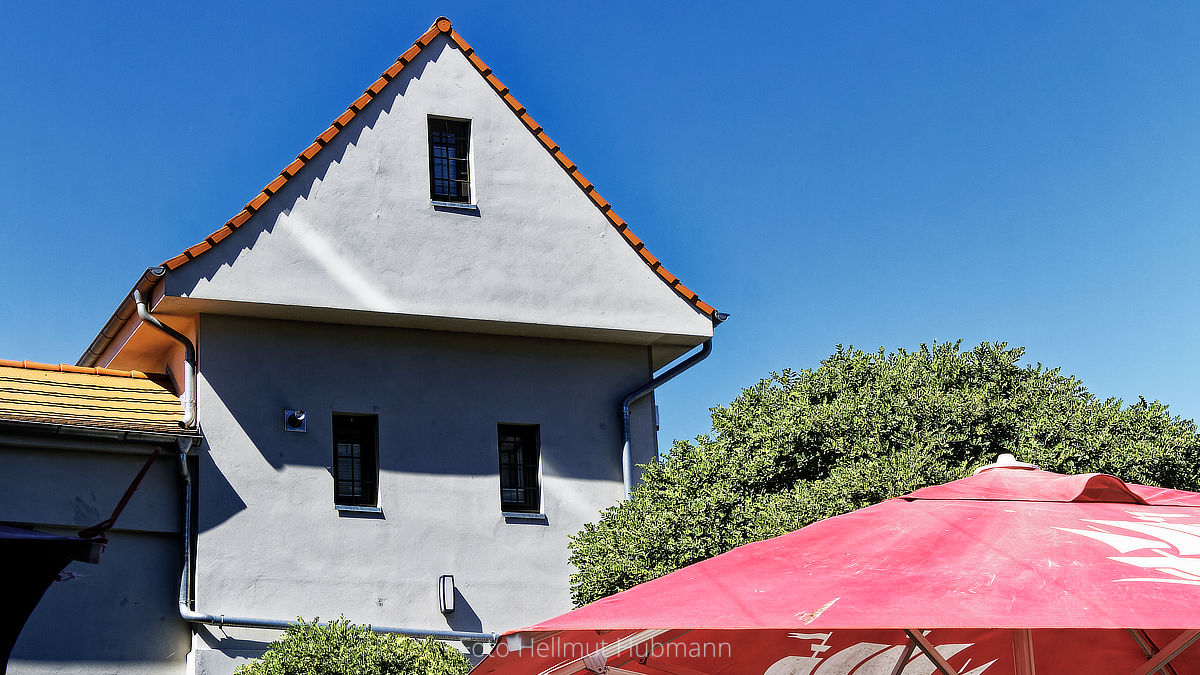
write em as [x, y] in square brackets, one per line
[355, 463]
[519, 472]
[449, 167]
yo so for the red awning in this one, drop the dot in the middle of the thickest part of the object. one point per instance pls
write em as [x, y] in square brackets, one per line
[1010, 549]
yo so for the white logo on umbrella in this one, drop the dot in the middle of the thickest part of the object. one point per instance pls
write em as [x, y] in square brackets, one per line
[1163, 535]
[864, 658]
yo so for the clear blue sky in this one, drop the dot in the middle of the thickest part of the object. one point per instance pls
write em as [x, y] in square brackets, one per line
[858, 173]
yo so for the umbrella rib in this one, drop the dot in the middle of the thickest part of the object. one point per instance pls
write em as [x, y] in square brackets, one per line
[1022, 641]
[932, 654]
[1174, 648]
[904, 657]
[1143, 640]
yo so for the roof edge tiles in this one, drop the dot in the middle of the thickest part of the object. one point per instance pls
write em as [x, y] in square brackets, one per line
[67, 368]
[441, 26]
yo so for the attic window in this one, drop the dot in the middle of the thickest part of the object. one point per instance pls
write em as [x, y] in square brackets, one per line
[449, 166]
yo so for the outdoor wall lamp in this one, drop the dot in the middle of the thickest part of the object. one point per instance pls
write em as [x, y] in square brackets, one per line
[446, 593]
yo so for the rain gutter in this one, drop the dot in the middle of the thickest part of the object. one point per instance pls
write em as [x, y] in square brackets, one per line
[187, 590]
[38, 434]
[125, 311]
[654, 383]
[188, 400]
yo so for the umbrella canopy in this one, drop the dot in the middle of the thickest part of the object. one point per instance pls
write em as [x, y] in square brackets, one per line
[1003, 572]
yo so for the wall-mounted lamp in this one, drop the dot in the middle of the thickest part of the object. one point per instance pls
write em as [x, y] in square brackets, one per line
[294, 420]
[446, 593]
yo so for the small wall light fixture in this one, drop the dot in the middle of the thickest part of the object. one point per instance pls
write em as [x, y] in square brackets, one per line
[446, 593]
[294, 420]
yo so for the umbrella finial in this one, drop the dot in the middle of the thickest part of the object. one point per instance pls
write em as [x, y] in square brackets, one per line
[1005, 461]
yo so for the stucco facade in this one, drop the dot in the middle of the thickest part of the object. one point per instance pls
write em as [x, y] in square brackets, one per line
[346, 289]
[270, 540]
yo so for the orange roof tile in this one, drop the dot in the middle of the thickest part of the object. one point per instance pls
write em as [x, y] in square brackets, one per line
[87, 397]
[440, 26]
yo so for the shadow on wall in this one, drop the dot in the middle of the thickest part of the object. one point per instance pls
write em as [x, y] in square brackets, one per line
[437, 398]
[463, 618]
[221, 500]
[300, 186]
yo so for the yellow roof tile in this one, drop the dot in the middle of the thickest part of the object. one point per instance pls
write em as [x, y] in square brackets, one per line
[108, 399]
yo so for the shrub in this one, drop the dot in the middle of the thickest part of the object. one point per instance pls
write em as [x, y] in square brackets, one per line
[862, 427]
[342, 648]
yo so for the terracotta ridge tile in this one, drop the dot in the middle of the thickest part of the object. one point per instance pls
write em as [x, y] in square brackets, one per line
[686, 292]
[564, 160]
[632, 238]
[256, 203]
[198, 248]
[462, 44]
[648, 257]
[328, 135]
[216, 237]
[599, 201]
[429, 35]
[411, 54]
[531, 123]
[310, 151]
[276, 184]
[583, 182]
[496, 84]
[547, 141]
[479, 64]
[240, 219]
[379, 84]
[514, 103]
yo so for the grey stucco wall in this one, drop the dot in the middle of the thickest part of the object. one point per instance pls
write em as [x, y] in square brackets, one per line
[118, 616]
[272, 545]
[354, 229]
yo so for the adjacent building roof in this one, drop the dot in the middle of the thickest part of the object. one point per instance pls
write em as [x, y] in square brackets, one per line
[442, 26]
[100, 398]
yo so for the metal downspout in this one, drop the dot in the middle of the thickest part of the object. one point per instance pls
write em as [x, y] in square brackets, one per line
[655, 383]
[220, 620]
[188, 400]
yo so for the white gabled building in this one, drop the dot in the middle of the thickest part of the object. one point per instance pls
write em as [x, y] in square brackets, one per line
[410, 355]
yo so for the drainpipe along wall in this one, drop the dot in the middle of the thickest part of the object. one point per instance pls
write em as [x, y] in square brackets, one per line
[636, 394]
[188, 399]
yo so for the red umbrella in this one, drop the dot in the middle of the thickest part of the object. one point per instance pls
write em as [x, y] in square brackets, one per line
[1006, 572]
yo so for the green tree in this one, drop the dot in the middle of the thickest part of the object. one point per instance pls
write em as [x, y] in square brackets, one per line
[342, 648]
[801, 446]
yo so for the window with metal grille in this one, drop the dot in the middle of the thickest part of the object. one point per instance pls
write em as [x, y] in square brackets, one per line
[355, 465]
[519, 471]
[449, 168]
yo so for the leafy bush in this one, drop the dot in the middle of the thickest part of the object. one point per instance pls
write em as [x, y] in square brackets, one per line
[801, 446]
[342, 648]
